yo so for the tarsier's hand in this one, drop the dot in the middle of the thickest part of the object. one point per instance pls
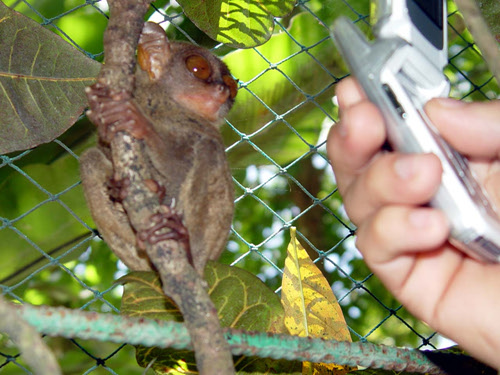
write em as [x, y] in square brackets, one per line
[114, 111]
[405, 243]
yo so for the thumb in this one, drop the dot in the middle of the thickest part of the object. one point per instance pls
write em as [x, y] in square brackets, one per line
[471, 128]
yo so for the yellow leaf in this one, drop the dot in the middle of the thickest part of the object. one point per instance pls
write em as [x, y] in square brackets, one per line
[311, 309]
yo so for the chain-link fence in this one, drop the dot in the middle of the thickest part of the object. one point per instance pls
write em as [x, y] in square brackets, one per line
[275, 139]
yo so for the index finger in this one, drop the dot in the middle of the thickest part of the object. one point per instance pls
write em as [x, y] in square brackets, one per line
[355, 140]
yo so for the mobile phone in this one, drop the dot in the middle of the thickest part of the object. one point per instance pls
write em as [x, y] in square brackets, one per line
[400, 71]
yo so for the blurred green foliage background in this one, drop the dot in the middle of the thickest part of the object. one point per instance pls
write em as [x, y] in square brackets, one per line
[275, 143]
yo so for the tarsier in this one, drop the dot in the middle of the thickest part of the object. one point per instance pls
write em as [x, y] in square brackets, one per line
[181, 96]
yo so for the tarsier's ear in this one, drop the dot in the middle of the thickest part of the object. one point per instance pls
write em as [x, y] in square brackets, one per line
[153, 50]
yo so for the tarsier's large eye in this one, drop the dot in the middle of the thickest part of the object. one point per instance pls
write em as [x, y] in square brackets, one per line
[199, 66]
[231, 83]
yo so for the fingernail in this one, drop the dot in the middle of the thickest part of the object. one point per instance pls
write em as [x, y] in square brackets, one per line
[449, 103]
[404, 167]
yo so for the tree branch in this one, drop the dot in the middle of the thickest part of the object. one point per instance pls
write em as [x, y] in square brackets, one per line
[180, 280]
[35, 352]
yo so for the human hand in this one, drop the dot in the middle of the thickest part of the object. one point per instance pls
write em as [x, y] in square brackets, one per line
[404, 243]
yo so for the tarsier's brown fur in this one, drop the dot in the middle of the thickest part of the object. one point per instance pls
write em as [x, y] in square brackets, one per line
[182, 94]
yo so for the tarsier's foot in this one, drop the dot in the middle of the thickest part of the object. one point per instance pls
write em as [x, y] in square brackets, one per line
[118, 189]
[167, 225]
[114, 111]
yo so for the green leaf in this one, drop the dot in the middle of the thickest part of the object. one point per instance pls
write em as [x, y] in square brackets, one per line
[241, 299]
[42, 80]
[253, 306]
[143, 297]
[238, 23]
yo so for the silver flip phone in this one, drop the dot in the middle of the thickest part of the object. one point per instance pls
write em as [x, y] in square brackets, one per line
[399, 72]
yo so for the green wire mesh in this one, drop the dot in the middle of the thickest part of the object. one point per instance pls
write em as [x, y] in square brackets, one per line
[51, 252]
